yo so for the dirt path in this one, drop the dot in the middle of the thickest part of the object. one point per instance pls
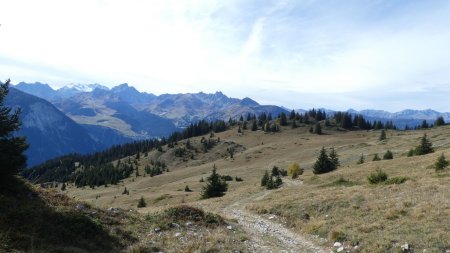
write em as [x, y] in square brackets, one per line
[267, 235]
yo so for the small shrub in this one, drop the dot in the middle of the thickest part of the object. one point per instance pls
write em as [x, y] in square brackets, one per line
[187, 189]
[361, 159]
[238, 179]
[227, 178]
[376, 158]
[294, 170]
[388, 155]
[377, 177]
[396, 180]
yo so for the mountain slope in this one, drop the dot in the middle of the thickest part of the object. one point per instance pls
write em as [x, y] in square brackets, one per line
[49, 132]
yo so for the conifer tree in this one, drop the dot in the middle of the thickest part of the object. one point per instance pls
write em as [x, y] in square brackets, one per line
[323, 163]
[141, 203]
[254, 126]
[12, 159]
[382, 135]
[215, 186]
[441, 163]
[425, 146]
[63, 187]
[334, 158]
[283, 119]
[265, 179]
[439, 121]
[318, 129]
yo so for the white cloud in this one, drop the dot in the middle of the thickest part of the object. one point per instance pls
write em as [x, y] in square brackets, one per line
[240, 47]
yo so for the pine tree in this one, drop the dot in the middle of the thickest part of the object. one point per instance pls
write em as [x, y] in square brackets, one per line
[425, 146]
[283, 119]
[323, 163]
[265, 179]
[382, 135]
[187, 189]
[388, 155]
[215, 186]
[334, 158]
[441, 163]
[439, 121]
[141, 203]
[125, 191]
[254, 126]
[12, 159]
[318, 129]
[63, 187]
[278, 182]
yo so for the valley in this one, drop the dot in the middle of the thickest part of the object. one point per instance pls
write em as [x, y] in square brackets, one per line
[340, 206]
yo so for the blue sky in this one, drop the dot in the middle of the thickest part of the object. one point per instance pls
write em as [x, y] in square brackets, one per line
[389, 55]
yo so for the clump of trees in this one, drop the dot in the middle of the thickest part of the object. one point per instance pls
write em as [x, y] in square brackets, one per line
[273, 180]
[215, 186]
[102, 175]
[12, 159]
[326, 162]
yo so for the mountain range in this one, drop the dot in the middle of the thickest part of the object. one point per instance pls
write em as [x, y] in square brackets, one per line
[106, 117]
[86, 118]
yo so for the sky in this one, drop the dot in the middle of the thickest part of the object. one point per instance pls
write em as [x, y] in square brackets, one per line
[360, 54]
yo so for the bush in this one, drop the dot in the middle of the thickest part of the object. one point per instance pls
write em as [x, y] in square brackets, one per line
[377, 177]
[227, 178]
[388, 155]
[238, 179]
[187, 189]
[294, 170]
[376, 158]
[396, 180]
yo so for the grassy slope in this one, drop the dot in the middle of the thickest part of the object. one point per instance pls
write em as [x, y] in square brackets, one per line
[378, 218]
[38, 220]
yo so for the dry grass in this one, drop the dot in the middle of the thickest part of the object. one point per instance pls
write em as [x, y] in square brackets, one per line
[376, 217]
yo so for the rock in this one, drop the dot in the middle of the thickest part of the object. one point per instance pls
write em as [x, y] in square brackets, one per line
[80, 207]
[175, 225]
[178, 234]
[188, 224]
[337, 244]
[229, 227]
[405, 247]
[340, 249]
[157, 230]
[271, 217]
[447, 251]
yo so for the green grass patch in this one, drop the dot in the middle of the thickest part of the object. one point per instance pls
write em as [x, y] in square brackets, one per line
[341, 181]
[396, 180]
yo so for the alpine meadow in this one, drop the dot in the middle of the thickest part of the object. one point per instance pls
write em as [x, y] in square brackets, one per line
[211, 126]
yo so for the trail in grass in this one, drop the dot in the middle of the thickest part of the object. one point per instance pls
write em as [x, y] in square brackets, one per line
[267, 235]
